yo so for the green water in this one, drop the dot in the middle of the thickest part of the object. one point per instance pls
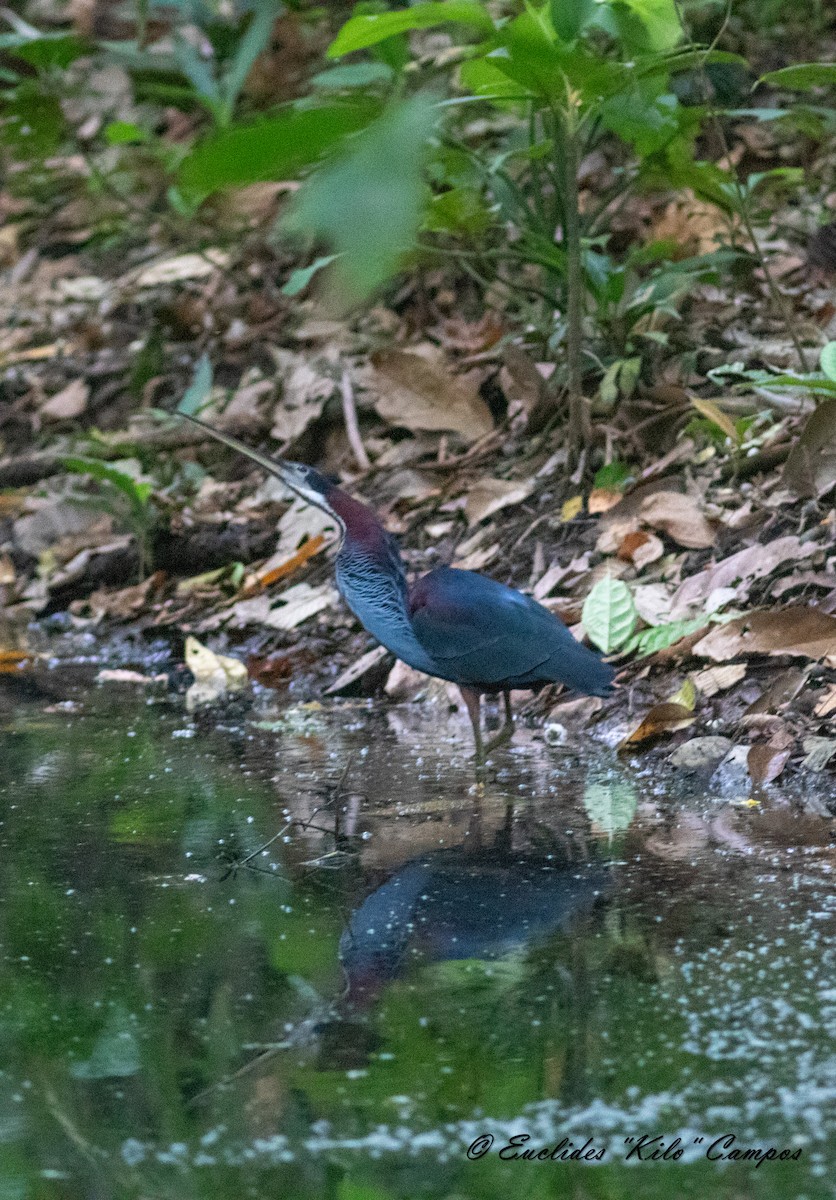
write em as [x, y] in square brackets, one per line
[409, 967]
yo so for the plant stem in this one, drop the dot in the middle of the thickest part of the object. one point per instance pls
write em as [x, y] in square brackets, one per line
[567, 163]
[741, 207]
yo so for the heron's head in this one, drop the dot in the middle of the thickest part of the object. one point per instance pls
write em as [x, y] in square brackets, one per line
[306, 482]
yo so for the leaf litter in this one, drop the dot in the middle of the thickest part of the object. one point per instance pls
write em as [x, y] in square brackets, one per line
[679, 572]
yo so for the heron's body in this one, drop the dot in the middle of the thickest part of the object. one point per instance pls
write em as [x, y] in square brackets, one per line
[456, 625]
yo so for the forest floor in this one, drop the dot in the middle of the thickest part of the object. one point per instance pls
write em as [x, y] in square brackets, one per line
[708, 494]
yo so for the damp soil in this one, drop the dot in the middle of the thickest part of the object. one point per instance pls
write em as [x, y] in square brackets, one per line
[298, 951]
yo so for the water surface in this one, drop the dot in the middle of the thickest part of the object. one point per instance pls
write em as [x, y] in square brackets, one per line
[298, 954]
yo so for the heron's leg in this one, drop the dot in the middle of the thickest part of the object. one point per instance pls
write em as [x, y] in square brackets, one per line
[472, 701]
[507, 731]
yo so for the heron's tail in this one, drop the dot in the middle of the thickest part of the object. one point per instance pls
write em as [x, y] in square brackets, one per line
[582, 670]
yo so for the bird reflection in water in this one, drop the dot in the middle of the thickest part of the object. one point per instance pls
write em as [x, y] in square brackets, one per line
[448, 905]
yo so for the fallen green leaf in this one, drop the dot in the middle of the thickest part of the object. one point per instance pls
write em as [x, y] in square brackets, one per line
[609, 614]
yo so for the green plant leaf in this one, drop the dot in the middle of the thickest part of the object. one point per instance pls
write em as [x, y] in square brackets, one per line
[251, 45]
[273, 148]
[648, 24]
[197, 393]
[367, 30]
[812, 383]
[33, 123]
[198, 71]
[353, 75]
[828, 360]
[367, 205]
[122, 133]
[457, 211]
[802, 76]
[137, 493]
[302, 276]
[571, 17]
[47, 50]
[482, 77]
[609, 614]
[614, 477]
[650, 641]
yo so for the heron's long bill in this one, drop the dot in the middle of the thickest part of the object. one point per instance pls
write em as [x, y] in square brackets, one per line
[274, 466]
[294, 476]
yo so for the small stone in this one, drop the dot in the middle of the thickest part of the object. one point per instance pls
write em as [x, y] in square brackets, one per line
[701, 753]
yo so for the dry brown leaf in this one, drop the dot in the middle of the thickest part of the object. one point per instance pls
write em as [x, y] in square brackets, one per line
[179, 269]
[76, 568]
[471, 337]
[33, 354]
[631, 544]
[477, 559]
[522, 384]
[9, 244]
[299, 603]
[653, 603]
[827, 704]
[640, 548]
[488, 496]
[417, 393]
[602, 500]
[306, 386]
[818, 751]
[204, 664]
[800, 631]
[713, 412]
[549, 581]
[126, 602]
[301, 524]
[276, 671]
[404, 682]
[408, 484]
[123, 675]
[737, 571]
[765, 763]
[810, 469]
[357, 669]
[67, 404]
[781, 691]
[718, 679]
[663, 718]
[84, 288]
[678, 516]
[7, 570]
[818, 579]
[571, 507]
[12, 661]
[695, 226]
[242, 415]
[265, 577]
[214, 675]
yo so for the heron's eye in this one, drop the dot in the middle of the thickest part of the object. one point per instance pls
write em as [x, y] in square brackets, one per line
[318, 482]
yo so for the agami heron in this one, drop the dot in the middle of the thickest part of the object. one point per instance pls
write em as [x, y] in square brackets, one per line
[452, 624]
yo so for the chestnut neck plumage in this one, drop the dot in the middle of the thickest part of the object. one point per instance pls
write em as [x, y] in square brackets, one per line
[372, 580]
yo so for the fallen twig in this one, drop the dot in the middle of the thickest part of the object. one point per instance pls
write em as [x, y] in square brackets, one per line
[352, 426]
